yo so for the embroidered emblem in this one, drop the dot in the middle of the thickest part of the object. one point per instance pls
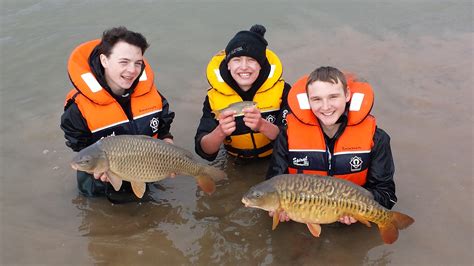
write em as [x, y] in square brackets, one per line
[154, 122]
[271, 119]
[301, 161]
[356, 163]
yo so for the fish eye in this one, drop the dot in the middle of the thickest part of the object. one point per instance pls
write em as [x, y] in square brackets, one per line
[84, 161]
[257, 194]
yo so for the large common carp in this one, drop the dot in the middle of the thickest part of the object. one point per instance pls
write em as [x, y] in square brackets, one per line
[140, 159]
[315, 200]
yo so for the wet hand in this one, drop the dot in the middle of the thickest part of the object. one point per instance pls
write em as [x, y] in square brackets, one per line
[168, 140]
[283, 216]
[253, 118]
[227, 122]
[347, 220]
[101, 176]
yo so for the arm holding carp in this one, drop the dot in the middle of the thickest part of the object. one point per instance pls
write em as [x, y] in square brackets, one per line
[380, 175]
[253, 119]
[166, 119]
[76, 132]
[211, 133]
[211, 142]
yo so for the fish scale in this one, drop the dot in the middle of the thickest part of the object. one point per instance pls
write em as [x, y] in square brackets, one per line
[314, 200]
[141, 159]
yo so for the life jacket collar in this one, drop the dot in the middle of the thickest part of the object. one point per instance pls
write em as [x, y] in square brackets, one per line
[84, 80]
[360, 104]
[216, 81]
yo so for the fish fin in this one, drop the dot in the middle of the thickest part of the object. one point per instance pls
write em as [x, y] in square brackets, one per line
[138, 188]
[115, 180]
[362, 220]
[276, 219]
[315, 229]
[213, 172]
[400, 220]
[388, 232]
[216, 114]
[206, 184]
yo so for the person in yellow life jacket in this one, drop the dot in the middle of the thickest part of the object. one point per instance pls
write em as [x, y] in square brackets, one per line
[330, 131]
[245, 71]
[114, 94]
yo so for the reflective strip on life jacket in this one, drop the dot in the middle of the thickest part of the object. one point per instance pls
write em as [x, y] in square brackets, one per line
[306, 144]
[103, 114]
[84, 81]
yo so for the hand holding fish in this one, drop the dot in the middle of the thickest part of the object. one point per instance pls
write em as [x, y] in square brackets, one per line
[253, 118]
[282, 216]
[102, 176]
[347, 220]
[227, 122]
[169, 140]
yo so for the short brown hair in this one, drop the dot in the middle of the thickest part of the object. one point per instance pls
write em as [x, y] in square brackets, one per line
[114, 35]
[327, 74]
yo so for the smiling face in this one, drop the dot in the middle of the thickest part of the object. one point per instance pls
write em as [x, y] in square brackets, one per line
[122, 66]
[328, 102]
[244, 70]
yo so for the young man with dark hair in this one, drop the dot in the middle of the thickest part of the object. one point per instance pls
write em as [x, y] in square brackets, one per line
[113, 94]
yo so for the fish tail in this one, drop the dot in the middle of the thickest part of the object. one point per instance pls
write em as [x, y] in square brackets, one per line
[389, 230]
[400, 220]
[208, 176]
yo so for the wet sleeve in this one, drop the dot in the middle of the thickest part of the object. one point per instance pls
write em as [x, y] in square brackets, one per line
[278, 161]
[380, 175]
[166, 119]
[206, 125]
[74, 126]
[284, 109]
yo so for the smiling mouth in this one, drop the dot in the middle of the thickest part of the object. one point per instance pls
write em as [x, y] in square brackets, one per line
[128, 79]
[328, 114]
[244, 75]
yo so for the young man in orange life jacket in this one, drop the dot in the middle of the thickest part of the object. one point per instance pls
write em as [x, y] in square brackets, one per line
[245, 71]
[330, 132]
[114, 94]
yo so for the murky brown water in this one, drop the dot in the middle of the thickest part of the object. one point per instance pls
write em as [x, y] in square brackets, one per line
[418, 55]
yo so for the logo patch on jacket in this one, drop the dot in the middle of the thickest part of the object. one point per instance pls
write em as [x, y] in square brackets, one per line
[154, 122]
[271, 119]
[356, 163]
[301, 161]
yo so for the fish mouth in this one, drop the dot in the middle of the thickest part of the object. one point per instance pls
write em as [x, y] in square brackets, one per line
[246, 202]
[74, 166]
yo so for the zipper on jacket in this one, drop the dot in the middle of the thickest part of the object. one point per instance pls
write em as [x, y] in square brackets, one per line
[329, 160]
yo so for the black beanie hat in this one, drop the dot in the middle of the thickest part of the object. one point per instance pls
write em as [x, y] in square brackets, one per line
[248, 43]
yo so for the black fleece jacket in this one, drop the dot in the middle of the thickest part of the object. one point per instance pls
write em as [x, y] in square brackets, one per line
[208, 122]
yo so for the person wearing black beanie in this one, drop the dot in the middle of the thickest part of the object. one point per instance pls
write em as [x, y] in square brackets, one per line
[244, 71]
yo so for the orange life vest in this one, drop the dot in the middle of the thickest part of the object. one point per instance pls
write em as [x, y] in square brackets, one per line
[308, 152]
[103, 114]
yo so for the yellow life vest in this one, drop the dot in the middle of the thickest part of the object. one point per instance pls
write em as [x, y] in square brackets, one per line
[268, 98]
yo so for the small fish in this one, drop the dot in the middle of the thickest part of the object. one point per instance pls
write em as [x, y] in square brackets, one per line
[315, 200]
[140, 159]
[237, 107]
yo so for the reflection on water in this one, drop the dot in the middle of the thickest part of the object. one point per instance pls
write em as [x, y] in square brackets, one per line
[185, 226]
